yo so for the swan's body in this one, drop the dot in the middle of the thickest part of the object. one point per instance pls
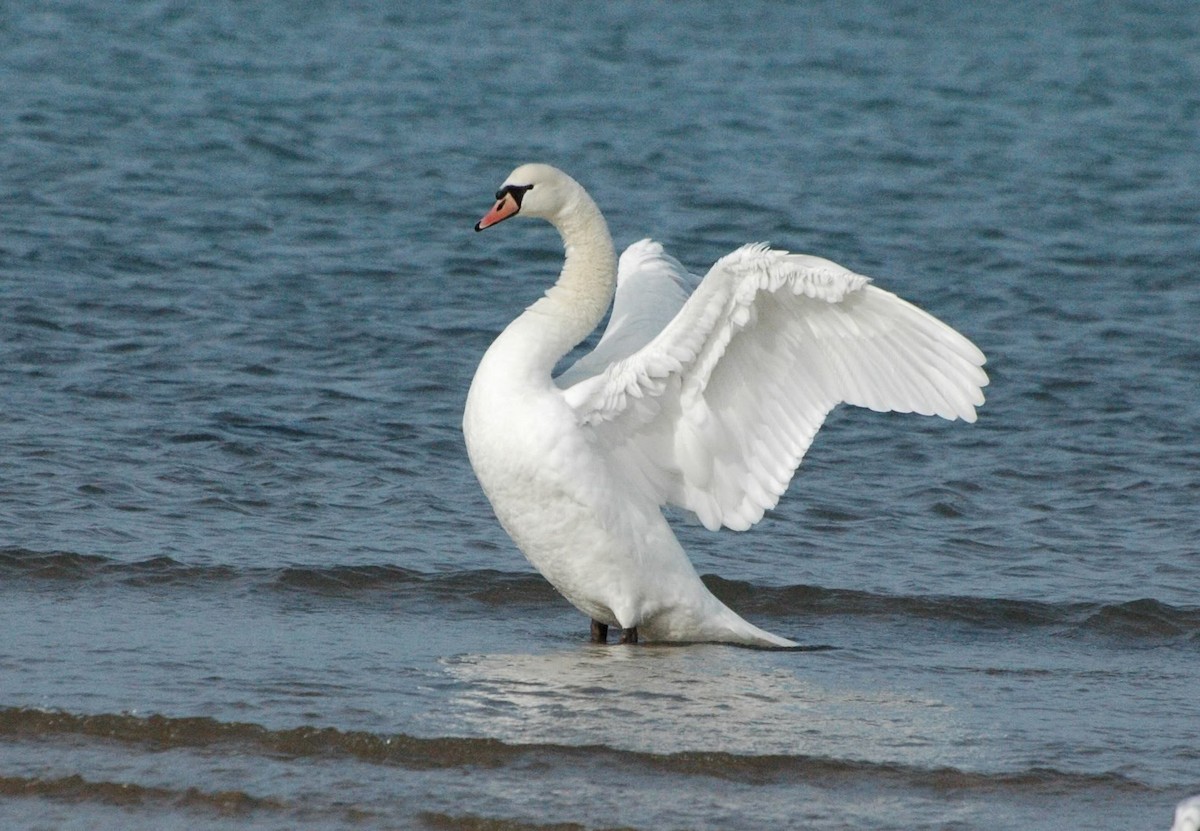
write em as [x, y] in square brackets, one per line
[702, 396]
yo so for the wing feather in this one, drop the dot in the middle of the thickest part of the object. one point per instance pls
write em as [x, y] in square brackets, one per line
[718, 408]
[652, 287]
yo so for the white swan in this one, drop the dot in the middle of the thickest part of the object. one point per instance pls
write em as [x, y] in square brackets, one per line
[705, 399]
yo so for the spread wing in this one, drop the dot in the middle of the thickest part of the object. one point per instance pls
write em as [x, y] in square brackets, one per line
[652, 287]
[714, 412]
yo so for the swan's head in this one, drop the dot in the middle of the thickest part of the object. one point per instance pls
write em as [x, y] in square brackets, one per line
[534, 190]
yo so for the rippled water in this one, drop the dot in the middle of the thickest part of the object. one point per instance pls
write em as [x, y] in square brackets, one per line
[247, 579]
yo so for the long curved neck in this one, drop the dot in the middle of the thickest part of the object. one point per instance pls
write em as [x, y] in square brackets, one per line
[576, 303]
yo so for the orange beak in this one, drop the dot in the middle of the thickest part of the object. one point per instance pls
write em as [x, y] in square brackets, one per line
[505, 207]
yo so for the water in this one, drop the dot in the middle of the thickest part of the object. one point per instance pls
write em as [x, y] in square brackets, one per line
[247, 579]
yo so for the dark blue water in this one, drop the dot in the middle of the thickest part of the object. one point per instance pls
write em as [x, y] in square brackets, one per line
[247, 579]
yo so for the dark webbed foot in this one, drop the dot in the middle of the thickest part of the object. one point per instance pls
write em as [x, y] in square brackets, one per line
[599, 632]
[629, 635]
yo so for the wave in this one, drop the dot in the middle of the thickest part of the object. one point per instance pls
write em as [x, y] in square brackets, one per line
[76, 788]
[482, 585]
[438, 821]
[234, 804]
[1141, 619]
[158, 733]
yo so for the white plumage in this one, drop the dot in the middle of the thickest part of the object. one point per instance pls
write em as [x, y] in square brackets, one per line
[700, 394]
[1187, 815]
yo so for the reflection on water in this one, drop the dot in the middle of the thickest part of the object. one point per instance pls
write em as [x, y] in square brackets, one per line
[699, 698]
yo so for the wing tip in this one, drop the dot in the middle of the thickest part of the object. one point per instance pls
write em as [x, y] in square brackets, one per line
[649, 255]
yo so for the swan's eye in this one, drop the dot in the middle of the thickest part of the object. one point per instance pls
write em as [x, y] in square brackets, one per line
[517, 192]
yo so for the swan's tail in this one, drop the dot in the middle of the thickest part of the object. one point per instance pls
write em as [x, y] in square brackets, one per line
[710, 621]
[742, 631]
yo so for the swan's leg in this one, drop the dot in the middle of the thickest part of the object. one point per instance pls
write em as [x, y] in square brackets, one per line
[629, 635]
[599, 632]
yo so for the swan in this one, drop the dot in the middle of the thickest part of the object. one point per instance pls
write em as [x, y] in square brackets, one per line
[702, 394]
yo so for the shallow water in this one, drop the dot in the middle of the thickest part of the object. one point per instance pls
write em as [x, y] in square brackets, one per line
[247, 578]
